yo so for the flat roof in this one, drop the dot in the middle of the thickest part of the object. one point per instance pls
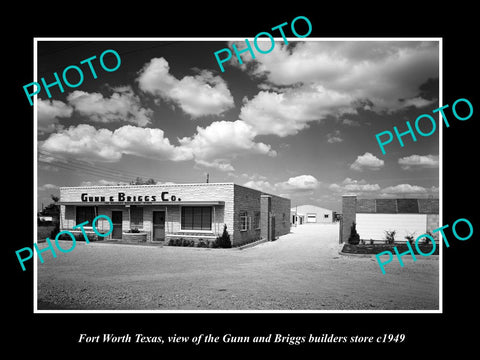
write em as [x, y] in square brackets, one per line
[146, 185]
[164, 203]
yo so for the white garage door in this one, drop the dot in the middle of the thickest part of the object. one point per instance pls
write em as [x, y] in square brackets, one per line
[311, 218]
[373, 226]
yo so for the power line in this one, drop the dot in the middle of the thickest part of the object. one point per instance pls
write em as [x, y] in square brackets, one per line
[94, 172]
[87, 166]
[76, 165]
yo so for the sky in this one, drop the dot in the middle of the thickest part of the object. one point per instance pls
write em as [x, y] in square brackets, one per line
[299, 121]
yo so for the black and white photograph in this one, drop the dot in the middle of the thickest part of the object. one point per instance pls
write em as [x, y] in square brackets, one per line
[220, 182]
[233, 190]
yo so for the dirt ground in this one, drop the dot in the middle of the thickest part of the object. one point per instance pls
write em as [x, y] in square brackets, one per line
[300, 271]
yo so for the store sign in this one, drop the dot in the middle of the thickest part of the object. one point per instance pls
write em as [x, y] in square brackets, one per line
[122, 197]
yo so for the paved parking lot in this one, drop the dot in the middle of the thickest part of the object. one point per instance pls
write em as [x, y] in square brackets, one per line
[299, 271]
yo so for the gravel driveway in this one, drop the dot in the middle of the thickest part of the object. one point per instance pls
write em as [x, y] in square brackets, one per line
[299, 271]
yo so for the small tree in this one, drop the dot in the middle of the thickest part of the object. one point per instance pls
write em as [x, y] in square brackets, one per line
[390, 237]
[140, 181]
[410, 238]
[354, 237]
[427, 239]
[223, 241]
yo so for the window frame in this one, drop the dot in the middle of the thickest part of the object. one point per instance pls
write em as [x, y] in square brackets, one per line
[77, 221]
[139, 215]
[244, 220]
[191, 228]
[256, 220]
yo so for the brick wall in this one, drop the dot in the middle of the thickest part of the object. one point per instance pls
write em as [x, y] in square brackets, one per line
[428, 206]
[366, 205]
[249, 200]
[245, 199]
[281, 210]
[398, 206]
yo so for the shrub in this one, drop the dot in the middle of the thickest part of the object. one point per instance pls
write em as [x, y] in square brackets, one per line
[390, 237]
[354, 237]
[78, 237]
[201, 243]
[171, 242]
[371, 241]
[427, 240]
[410, 238]
[55, 230]
[223, 241]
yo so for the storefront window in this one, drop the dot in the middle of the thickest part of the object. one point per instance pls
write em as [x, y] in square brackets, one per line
[196, 218]
[85, 213]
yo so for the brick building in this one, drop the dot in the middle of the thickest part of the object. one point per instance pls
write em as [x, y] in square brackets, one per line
[159, 213]
[375, 216]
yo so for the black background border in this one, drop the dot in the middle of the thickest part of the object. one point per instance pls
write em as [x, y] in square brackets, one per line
[57, 334]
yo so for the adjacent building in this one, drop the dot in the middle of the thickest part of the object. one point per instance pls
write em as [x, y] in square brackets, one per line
[311, 214]
[373, 217]
[157, 213]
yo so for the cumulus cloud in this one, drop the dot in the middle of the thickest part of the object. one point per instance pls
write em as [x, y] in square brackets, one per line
[355, 186]
[418, 162]
[306, 81]
[49, 112]
[404, 189]
[383, 71]
[222, 140]
[45, 187]
[292, 110]
[87, 143]
[122, 105]
[362, 187]
[200, 95]
[261, 185]
[301, 183]
[219, 164]
[213, 146]
[367, 161]
[103, 182]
